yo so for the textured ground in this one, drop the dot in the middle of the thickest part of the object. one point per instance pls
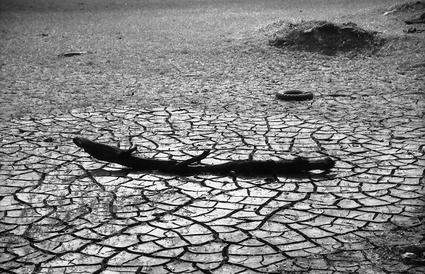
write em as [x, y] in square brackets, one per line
[177, 79]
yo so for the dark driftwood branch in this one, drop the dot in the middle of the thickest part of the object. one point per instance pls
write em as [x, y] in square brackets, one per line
[247, 167]
[195, 159]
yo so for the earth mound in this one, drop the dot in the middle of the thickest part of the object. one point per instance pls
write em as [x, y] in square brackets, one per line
[324, 36]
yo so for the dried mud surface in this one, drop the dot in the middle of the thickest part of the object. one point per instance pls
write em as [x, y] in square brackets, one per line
[176, 80]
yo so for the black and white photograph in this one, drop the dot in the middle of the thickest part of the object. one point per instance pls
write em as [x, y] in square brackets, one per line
[212, 136]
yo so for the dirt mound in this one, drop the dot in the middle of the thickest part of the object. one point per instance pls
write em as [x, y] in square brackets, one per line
[324, 36]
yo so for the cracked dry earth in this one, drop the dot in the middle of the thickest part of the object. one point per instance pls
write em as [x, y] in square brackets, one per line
[64, 212]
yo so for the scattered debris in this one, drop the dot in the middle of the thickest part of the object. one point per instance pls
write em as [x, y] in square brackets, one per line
[417, 20]
[294, 95]
[411, 13]
[413, 30]
[413, 255]
[406, 7]
[335, 95]
[73, 53]
[324, 36]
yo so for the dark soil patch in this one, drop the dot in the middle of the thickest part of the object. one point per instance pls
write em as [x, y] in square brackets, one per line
[325, 36]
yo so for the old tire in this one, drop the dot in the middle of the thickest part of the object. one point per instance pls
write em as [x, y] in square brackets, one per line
[294, 95]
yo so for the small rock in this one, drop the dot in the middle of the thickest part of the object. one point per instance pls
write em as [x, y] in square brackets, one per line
[413, 30]
[408, 256]
[48, 140]
[73, 53]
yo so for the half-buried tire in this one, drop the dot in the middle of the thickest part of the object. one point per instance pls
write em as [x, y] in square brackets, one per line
[294, 95]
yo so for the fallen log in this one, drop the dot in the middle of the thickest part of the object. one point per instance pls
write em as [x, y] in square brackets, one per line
[240, 167]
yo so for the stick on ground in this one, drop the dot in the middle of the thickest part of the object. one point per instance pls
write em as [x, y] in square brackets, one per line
[240, 167]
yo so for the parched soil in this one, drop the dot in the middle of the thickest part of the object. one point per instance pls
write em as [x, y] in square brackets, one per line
[177, 77]
[204, 56]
